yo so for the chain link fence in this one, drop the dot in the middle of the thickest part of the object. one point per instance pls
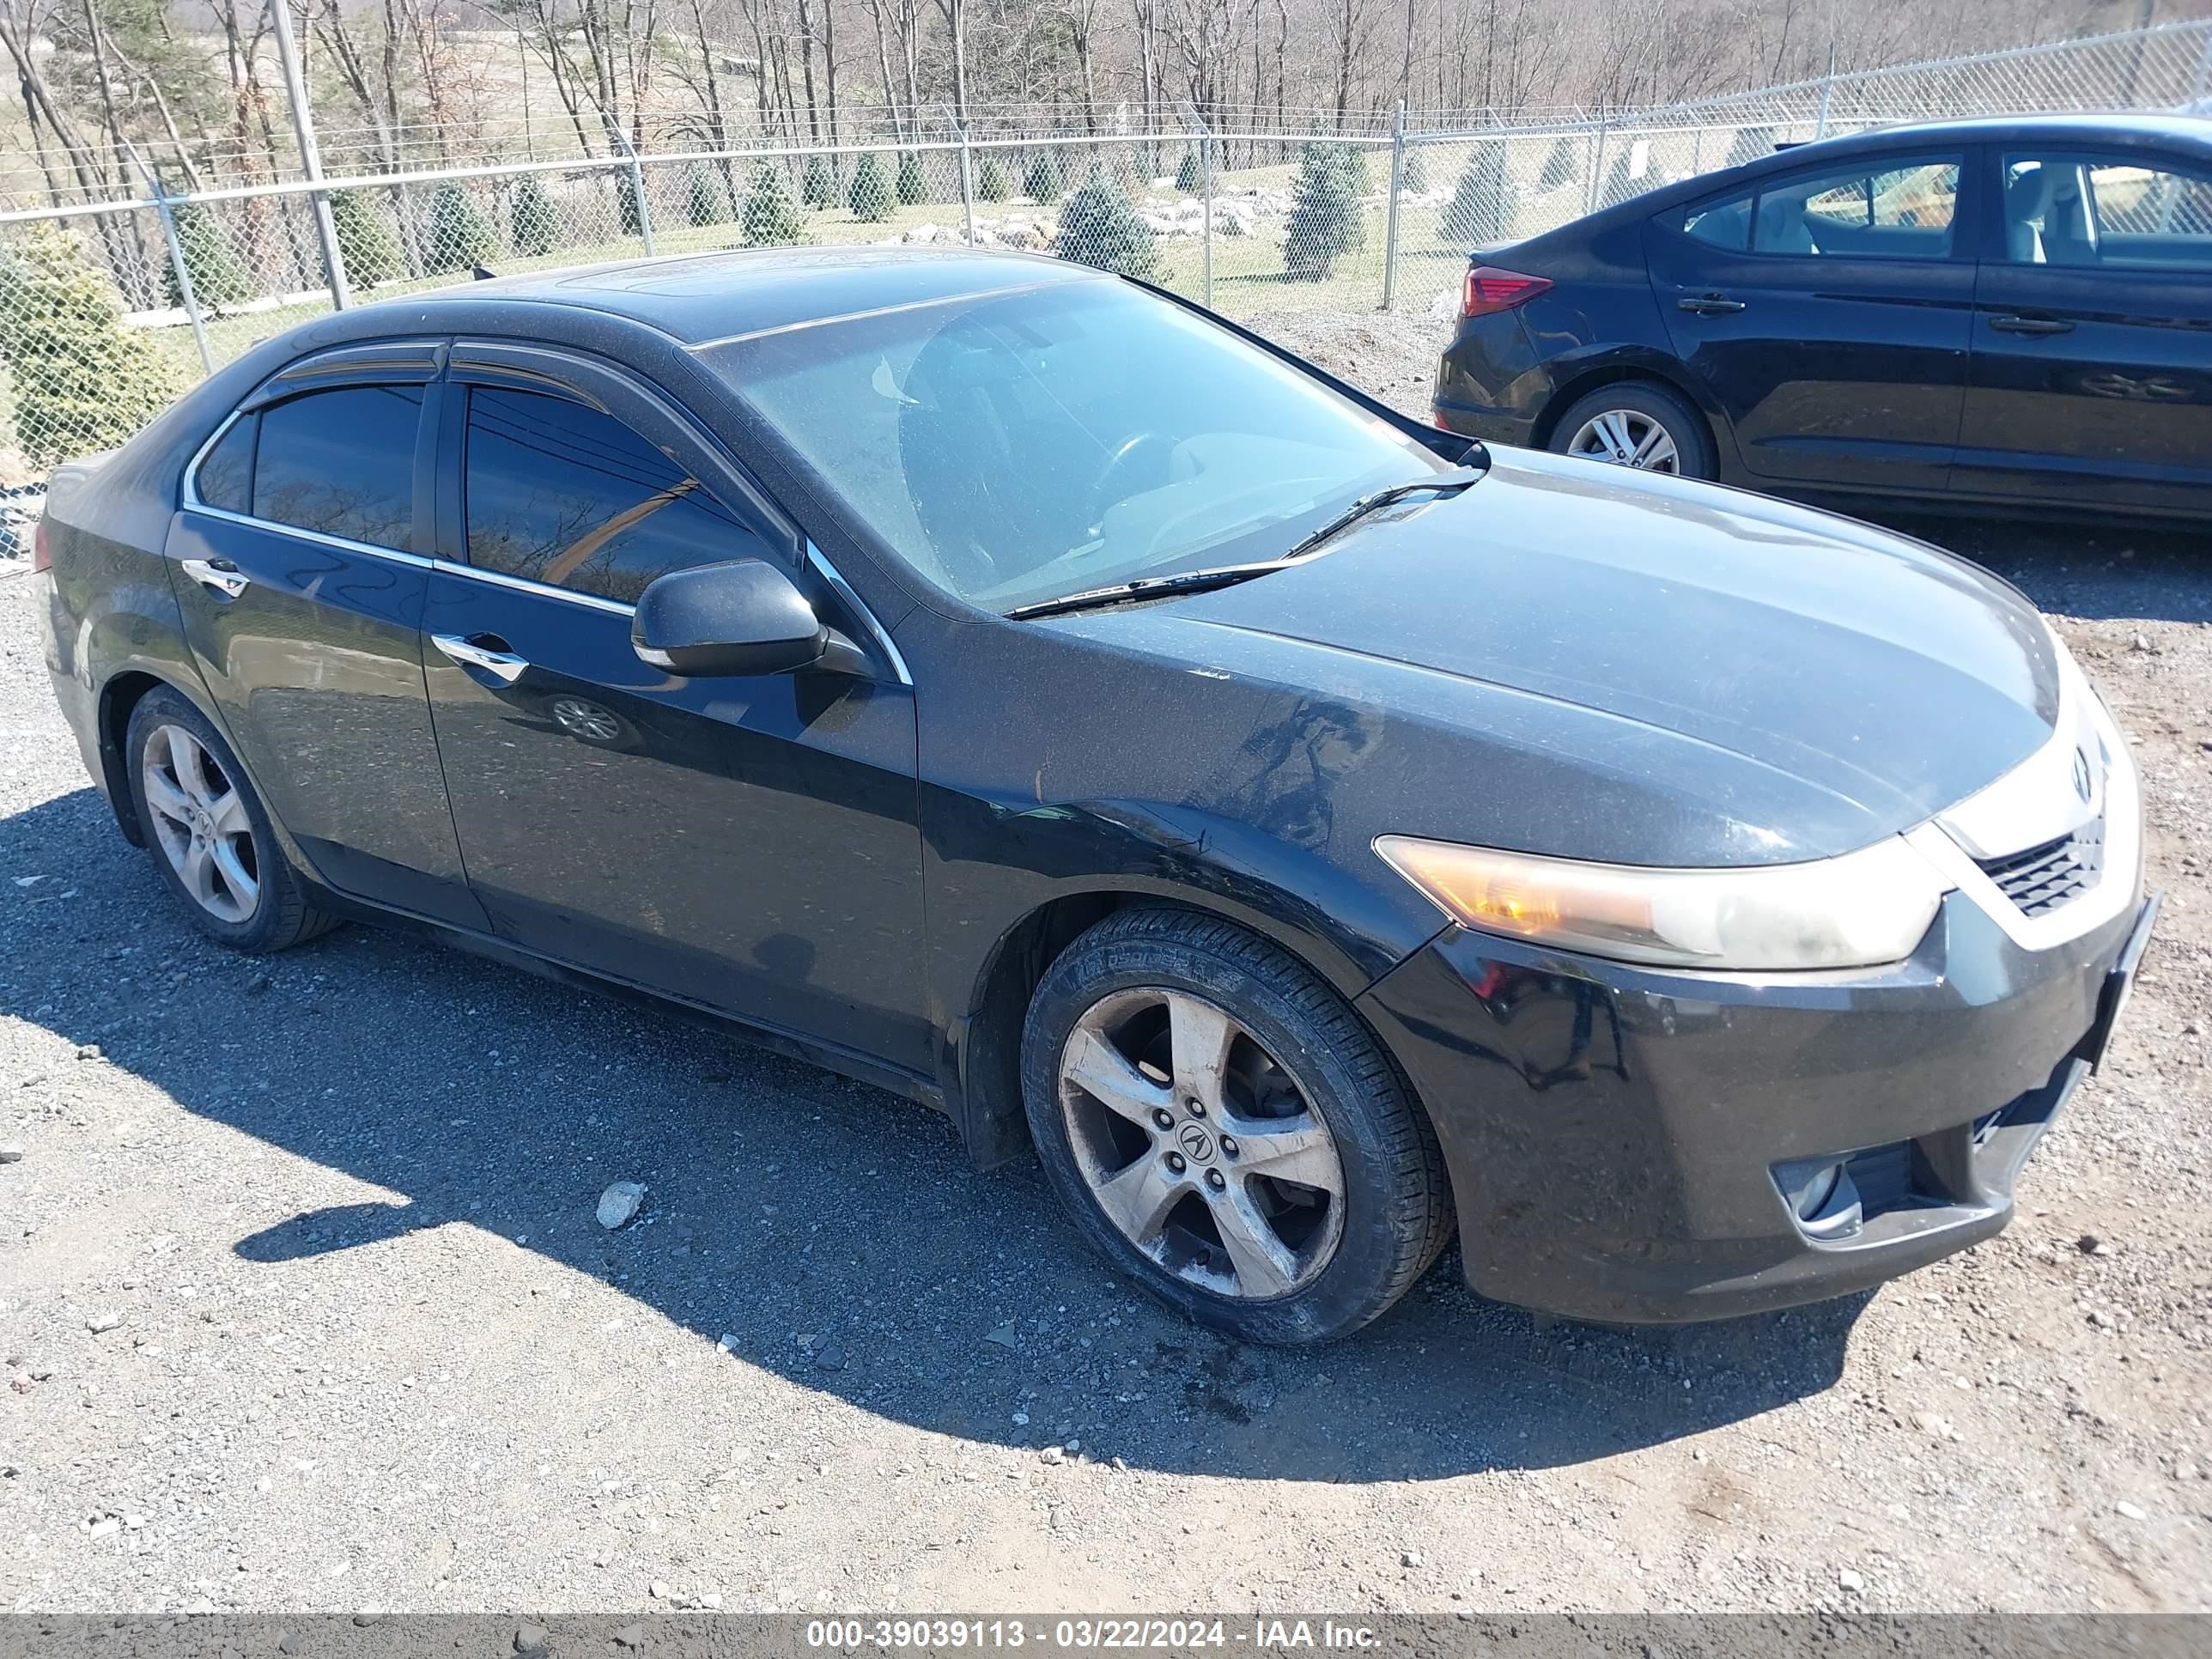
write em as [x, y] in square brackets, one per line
[109, 309]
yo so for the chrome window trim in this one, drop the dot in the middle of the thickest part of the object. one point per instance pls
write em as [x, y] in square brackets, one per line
[525, 585]
[822, 566]
[828, 572]
[397, 555]
[192, 486]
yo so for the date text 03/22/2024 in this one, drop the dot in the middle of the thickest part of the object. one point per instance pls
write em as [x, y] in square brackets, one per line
[1260, 1634]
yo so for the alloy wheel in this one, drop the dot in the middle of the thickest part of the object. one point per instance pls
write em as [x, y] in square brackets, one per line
[588, 721]
[200, 819]
[1198, 1145]
[1626, 437]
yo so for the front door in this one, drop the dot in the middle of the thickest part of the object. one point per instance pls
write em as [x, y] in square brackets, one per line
[1828, 313]
[2092, 376]
[297, 558]
[751, 844]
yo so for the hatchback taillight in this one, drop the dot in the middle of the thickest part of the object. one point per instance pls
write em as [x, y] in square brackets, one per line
[1491, 288]
[42, 552]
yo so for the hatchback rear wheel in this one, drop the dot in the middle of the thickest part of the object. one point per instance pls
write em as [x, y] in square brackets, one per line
[1221, 1125]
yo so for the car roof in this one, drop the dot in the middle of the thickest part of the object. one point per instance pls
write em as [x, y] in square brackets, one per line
[2185, 132]
[703, 297]
[2189, 133]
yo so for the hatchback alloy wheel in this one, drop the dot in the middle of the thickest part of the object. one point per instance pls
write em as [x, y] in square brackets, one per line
[1626, 437]
[1200, 1146]
[199, 817]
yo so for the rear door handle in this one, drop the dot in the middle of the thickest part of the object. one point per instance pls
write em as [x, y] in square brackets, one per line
[1710, 305]
[486, 651]
[2014, 325]
[220, 574]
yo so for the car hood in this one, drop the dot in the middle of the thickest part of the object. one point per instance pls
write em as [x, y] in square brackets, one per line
[1606, 664]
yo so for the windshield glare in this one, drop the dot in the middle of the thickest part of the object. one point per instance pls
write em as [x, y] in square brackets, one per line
[1022, 447]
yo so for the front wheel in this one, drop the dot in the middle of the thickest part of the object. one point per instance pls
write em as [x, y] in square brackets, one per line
[1220, 1125]
[1637, 424]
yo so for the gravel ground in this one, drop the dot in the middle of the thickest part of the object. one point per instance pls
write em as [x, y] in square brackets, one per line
[304, 1303]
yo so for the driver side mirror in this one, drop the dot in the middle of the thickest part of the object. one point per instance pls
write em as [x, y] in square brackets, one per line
[744, 617]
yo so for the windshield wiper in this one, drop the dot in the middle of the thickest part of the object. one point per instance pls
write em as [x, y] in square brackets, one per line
[1197, 581]
[1147, 587]
[1458, 478]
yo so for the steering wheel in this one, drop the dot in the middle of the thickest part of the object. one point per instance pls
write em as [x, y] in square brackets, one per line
[1095, 499]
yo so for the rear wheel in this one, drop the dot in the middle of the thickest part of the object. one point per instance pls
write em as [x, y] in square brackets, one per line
[1220, 1125]
[1637, 424]
[209, 834]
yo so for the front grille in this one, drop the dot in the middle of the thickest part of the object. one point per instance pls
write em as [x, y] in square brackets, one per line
[2040, 879]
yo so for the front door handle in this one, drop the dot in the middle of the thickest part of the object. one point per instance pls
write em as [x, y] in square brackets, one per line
[219, 575]
[486, 651]
[1710, 305]
[2014, 325]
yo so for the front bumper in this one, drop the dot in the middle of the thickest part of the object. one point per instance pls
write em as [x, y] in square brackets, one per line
[1614, 1132]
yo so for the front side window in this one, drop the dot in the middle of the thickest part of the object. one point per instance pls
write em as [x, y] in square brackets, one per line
[1019, 447]
[560, 494]
[341, 462]
[2085, 210]
[1900, 211]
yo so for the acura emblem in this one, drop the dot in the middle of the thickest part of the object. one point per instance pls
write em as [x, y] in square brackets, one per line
[2083, 785]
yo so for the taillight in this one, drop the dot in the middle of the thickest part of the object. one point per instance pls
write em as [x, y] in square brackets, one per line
[1490, 288]
[42, 552]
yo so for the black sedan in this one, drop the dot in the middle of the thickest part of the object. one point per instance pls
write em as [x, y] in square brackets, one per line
[2013, 312]
[1006, 685]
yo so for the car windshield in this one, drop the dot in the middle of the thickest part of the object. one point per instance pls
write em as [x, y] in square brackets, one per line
[1019, 447]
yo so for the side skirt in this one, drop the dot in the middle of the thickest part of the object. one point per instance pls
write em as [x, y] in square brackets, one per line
[846, 1062]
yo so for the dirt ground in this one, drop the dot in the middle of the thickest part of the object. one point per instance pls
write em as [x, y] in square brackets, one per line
[304, 1305]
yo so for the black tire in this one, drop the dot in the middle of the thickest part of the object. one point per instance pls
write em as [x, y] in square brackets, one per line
[281, 916]
[1396, 1215]
[1691, 435]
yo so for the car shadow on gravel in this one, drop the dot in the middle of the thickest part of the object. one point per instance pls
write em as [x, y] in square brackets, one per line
[784, 1203]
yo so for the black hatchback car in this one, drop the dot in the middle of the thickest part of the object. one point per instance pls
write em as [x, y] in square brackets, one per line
[1016, 688]
[1995, 311]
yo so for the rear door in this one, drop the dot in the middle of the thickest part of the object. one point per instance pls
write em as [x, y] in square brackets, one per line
[1829, 312]
[2092, 376]
[750, 844]
[298, 558]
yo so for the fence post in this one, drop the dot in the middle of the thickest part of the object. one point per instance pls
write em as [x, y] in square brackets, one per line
[1390, 222]
[1597, 168]
[177, 263]
[637, 190]
[967, 172]
[1192, 122]
[1828, 92]
[310, 158]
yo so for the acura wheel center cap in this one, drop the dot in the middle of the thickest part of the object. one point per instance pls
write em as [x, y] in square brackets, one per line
[1196, 1143]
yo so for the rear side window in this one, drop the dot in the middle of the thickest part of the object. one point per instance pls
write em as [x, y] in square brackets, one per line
[226, 475]
[1898, 212]
[1721, 224]
[342, 462]
[563, 494]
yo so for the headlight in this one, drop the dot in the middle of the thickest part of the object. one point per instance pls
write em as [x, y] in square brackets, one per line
[1866, 907]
